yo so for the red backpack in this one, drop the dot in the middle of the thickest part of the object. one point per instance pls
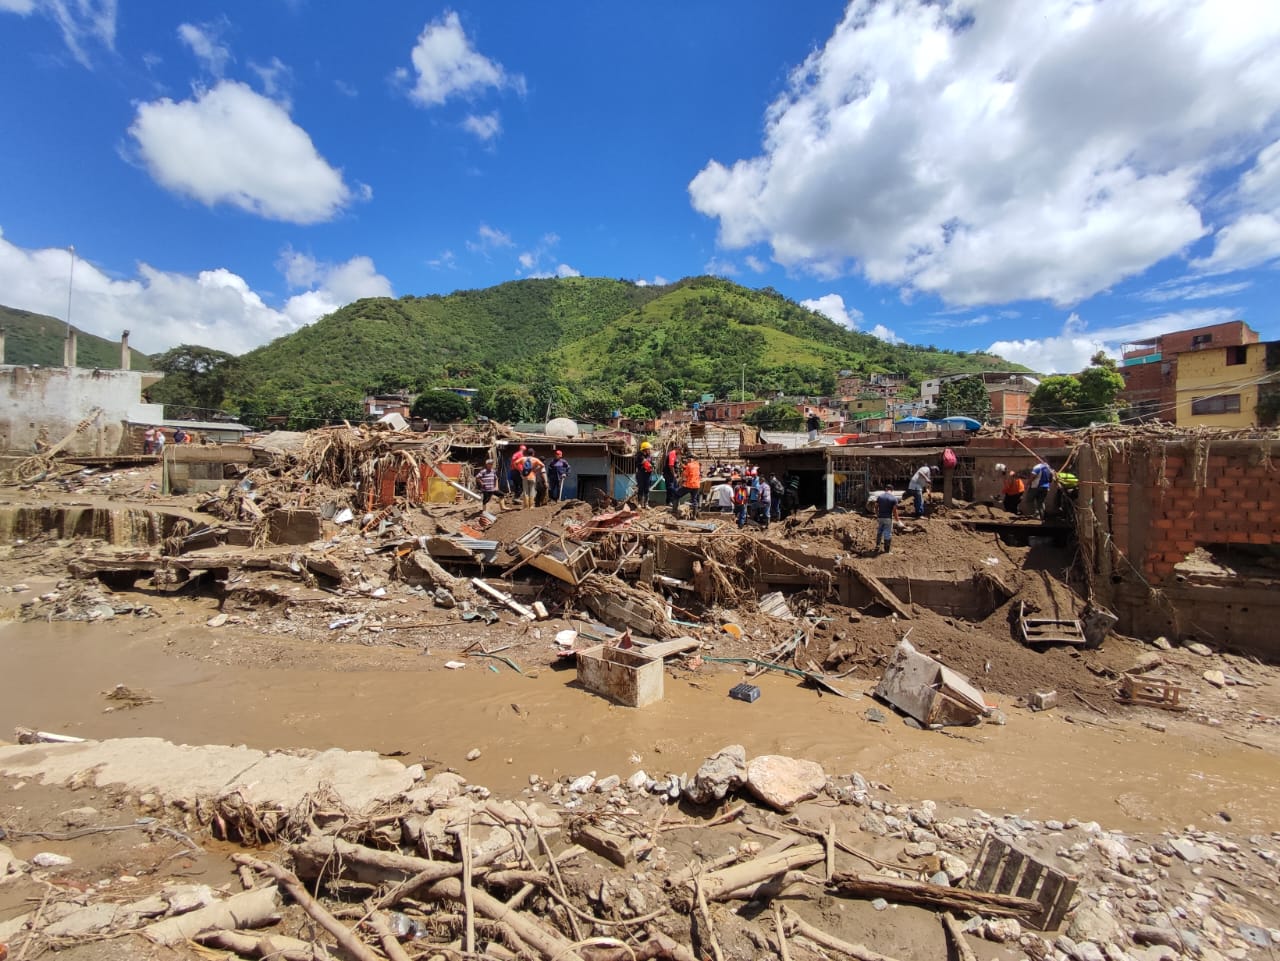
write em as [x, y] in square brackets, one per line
[948, 459]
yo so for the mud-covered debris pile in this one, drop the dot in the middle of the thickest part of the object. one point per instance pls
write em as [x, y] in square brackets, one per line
[763, 855]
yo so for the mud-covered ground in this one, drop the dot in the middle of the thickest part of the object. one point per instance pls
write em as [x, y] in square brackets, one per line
[293, 665]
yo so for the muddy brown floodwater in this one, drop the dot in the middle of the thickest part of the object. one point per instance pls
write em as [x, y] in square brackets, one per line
[1118, 773]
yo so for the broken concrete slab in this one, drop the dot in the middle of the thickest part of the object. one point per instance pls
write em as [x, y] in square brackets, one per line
[724, 771]
[783, 782]
[358, 779]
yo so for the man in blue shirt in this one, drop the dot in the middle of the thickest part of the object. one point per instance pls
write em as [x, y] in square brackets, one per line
[1041, 478]
[886, 514]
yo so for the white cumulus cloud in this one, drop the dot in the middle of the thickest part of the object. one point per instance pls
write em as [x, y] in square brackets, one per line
[22, 7]
[232, 145]
[446, 64]
[997, 150]
[832, 306]
[1253, 237]
[214, 307]
[1069, 351]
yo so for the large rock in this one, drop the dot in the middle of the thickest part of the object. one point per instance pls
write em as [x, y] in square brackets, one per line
[783, 782]
[721, 773]
[1093, 924]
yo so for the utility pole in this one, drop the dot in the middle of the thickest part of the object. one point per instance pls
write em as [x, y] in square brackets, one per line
[71, 279]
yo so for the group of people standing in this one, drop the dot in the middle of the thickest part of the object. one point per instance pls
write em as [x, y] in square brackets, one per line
[743, 492]
[536, 480]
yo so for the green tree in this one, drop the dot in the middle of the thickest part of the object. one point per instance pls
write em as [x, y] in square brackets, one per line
[1100, 385]
[1056, 402]
[441, 406]
[195, 380]
[776, 416]
[637, 412]
[513, 403]
[966, 397]
[1078, 400]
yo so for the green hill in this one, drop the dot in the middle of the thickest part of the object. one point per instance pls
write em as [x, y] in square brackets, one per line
[31, 339]
[577, 346]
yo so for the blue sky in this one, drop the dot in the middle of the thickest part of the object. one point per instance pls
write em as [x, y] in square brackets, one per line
[1041, 178]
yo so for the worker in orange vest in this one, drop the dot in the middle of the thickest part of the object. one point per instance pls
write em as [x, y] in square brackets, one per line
[690, 483]
[515, 482]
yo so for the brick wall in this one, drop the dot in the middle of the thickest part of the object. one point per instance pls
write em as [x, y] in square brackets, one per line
[1161, 524]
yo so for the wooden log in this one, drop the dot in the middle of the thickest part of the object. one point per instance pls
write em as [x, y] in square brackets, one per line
[390, 943]
[436, 575]
[345, 937]
[249, 909]
[877, 588]
[903, 891]
[276, 947]
[550, 944]
[956, 937]
[319, 856]
[760, 869]
[790, 884]
[799, 926]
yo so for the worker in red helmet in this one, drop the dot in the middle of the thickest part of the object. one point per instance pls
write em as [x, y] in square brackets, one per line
[557, 471]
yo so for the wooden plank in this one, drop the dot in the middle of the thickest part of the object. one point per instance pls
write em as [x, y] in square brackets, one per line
[1058, 904]
[1050, 895]
[882, 593]
[1009, 873]
[993, 850]
[1031, 877]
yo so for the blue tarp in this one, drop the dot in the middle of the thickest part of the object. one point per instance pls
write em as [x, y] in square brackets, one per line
[960, 423]
[911, 422]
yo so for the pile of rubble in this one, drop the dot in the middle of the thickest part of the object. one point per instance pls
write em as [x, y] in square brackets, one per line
[743, 858]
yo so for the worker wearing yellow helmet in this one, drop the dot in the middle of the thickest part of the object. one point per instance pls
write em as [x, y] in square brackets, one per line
[644, 474]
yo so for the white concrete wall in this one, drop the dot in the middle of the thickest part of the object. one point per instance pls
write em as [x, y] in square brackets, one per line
[58, 398]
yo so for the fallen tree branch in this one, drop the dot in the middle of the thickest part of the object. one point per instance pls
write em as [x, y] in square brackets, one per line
[900, 890]
[818, 936]
[390, 943]
[289, 881]
[759, 869]
[249, 909]
[275, 947]
[550, 944]
[956, 937]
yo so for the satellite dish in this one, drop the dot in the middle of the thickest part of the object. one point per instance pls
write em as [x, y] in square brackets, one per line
[562, 427]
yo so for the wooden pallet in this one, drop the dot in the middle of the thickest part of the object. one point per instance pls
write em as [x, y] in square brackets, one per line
[1152, 691]
[1049, 630]
[1001, 868]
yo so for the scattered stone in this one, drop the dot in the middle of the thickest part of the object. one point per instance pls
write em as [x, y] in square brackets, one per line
[874, 824]
[724, 771]
[955, 868]
[998, 718]
[1216, 678]
[473, 754]
[1088, 951]
[217, 620]
[1188, 850]
[9, 862]
[1001, 930]
[921, 850]
[85, 921]
[1093, 924]
[783, 782]
[582, 784]
[608, 784]
[637, 781]
[1195, 647]
[1162, 643]
[874, 715]
[78, 817]
[880, 904]
[47, 859]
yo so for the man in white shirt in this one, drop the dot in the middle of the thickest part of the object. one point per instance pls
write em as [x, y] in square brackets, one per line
[921, 481]
[722, 497]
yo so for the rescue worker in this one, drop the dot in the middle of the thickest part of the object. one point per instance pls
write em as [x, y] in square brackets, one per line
[690, 483]
[1013, 490]
[918, 489]
[669, 464]
[741, 500]
[644, 473]
[557, 471]
[514, 475]
[886, 514]
[532, 470]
